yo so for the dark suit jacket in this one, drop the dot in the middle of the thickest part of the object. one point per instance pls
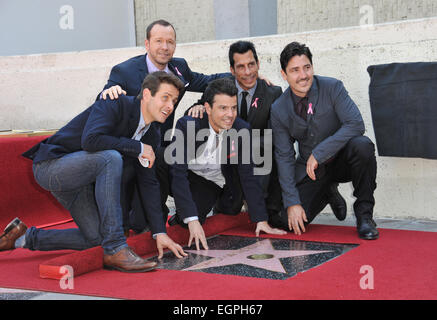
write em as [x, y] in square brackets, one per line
[109, 125]
[251, 184]
[130, 75]
[259, 112]
[259, 109]
[335, 121]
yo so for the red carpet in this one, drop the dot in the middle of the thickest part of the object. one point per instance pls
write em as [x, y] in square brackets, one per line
[21, 196]
[404, 264]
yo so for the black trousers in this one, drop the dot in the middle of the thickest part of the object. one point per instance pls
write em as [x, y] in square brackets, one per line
[272, 190]
[355, 163]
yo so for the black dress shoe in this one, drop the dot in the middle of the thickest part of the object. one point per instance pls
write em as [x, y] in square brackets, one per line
[366, 228]
[336, 202]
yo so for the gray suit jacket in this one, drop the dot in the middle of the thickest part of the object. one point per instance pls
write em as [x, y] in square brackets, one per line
[335, 120]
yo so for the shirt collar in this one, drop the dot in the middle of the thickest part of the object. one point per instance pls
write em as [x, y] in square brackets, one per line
[296, 98]
[152, 68]
[251, 90]
[142, 123]
[213, 133]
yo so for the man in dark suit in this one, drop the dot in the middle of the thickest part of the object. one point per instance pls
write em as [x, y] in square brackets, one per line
[126, 77]
[318, 113]
[83, 165]
[203, 158]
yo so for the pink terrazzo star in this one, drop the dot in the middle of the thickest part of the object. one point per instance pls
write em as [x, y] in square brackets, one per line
[260, 254]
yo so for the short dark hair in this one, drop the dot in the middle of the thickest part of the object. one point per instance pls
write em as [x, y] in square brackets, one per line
[153, 81]
[161, 22]
[220, 86]
[294, 49]
[241, 47]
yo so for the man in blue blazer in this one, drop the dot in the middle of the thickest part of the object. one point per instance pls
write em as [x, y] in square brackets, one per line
[202, 158]
[126, 77]
[318, 113]
[83, 166]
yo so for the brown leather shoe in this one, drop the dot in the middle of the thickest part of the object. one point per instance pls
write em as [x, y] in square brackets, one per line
[15, 229]
[126, 260]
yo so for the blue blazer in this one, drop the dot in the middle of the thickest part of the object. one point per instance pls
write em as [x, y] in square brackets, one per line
[250, 183]
[109, 125]
[130, 74]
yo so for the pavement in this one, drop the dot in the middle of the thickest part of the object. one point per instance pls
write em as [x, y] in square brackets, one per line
[326, 219]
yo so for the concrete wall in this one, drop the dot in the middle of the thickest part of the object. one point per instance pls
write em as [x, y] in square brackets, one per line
[299, 15]
[192, 19]
[203, 20]
[208, 19]
[45, 91]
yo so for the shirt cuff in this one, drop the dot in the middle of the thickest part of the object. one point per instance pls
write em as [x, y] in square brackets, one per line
[156, 234]
[189, 219]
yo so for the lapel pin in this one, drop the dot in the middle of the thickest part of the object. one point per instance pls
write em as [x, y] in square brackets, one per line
[255, 103]
[179, 74]
[310, 109]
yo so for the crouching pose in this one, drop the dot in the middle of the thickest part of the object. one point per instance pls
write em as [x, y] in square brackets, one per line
[203, 177]
[83, 165]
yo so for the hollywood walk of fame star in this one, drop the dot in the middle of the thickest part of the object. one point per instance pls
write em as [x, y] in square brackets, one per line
[261, 254]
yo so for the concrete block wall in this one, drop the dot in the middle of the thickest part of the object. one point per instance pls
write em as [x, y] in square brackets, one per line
[192, 19]
[45, 91]
[211, 19]
[298, 15]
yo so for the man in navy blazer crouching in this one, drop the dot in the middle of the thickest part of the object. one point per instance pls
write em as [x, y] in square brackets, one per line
[83, 166]
[197, 167]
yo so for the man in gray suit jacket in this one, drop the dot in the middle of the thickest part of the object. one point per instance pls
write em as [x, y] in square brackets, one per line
[318, 113]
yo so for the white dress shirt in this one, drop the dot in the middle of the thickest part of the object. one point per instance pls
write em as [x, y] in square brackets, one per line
[207, 164]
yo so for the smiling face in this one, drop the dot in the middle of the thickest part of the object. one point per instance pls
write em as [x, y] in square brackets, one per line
[161, 105]
[161, 45]
[245, 69]
[222, 113]
[299, 74]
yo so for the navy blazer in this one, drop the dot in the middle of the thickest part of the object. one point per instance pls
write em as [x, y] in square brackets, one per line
[130, 74]
[109, 125]
[335, 120]
[180, 185]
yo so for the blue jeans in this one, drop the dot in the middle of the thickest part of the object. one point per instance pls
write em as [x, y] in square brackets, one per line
[87, 184]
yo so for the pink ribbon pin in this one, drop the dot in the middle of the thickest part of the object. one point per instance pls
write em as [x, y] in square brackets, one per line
[310, 109]
[255, 103]
[178, 71]
[233, 154]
